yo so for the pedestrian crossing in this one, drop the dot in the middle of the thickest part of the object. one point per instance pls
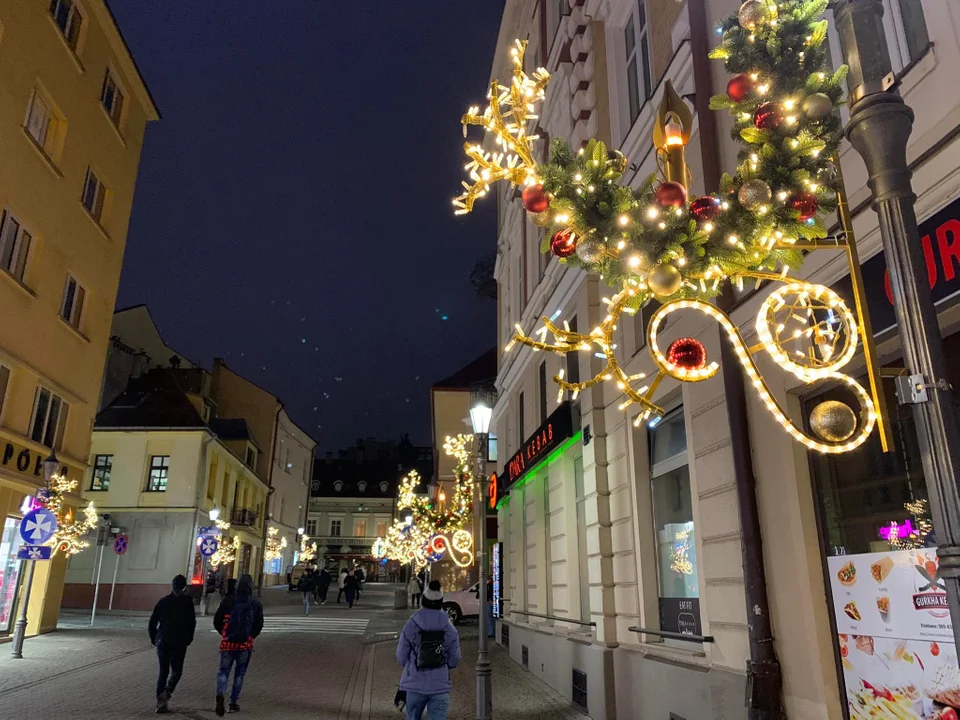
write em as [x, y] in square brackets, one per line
[297, 624]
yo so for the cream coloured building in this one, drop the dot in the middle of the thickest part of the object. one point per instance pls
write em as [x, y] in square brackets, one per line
[73, 111]
[587, 525]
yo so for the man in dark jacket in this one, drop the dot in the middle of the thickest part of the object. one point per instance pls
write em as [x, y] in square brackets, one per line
[171, 629]
[323, 584]
[235, 652]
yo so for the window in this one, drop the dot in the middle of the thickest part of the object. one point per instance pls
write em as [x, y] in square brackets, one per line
[159, 470]
[14, 246]
[94, 193]
[556, 9]
[520, 419]
[68, 19]
[49, 418]
[362, 486]
[382, 526]
[4, 381]
[543, 391]
[492, 448]
[642, 319]
[225, 490]
[212, 479]
[39, 120]
[582, 546]
[334, 528]
[525, 290]
[102, 466]
[251, 459]
[573, 358]
[111, 98]
[359, 528]
[72, 307]
[312, 528]
[637, 46]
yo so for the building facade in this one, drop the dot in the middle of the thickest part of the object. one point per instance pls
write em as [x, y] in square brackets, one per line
[73, 112]
[590, 518]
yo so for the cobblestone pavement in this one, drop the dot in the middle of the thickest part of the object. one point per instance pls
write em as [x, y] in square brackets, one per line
[109, 671]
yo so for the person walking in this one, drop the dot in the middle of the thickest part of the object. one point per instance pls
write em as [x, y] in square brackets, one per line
[413, 590]
[429, 648]
[323, 584]
[306, 585]
[340, 580]
[358, 574]
[350, 586]
[171, 628]
[239, 620]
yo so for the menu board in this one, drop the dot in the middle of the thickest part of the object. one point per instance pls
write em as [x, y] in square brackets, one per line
[895, 636]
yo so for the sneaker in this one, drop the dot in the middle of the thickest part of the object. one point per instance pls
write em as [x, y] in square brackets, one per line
[220, 711]
[234, 707]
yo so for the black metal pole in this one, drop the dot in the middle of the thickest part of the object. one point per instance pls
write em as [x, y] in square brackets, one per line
[879, 128]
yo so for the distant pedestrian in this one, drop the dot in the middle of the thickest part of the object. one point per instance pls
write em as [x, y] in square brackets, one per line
[323, 584]
[238, 620]
[429, 648]
[414, 590]
[350, 586]
[358, 574]
[306, 585]
[340, 580]
[171, 629]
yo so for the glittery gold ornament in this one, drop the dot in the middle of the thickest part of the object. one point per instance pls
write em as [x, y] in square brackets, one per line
[665, 280]
[617, 160]
[833, 421]
[591, 250]
[753, 13]
[541, 219]
[754, 194]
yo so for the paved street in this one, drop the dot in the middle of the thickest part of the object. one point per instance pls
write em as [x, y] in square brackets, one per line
[338, 664]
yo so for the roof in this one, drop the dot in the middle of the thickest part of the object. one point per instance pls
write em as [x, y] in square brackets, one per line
[379, 471]
[479, 370]
[233, 429]
[156, 399]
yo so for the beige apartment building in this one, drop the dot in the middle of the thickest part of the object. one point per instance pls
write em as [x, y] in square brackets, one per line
[587, 527]
[73, 111]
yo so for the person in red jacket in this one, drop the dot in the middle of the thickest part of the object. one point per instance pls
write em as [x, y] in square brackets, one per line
[239, 620]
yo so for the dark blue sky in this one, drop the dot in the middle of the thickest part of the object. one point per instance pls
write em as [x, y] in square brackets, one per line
[293, 210]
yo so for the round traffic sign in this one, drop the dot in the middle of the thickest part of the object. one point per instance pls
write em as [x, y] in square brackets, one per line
[120, 544]
[38, 526]
[208, 546]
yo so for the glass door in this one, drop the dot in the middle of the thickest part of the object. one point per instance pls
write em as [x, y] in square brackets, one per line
[10, 569]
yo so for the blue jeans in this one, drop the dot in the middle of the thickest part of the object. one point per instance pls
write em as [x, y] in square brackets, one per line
[435, 705]
[306, 603]
[227, 659]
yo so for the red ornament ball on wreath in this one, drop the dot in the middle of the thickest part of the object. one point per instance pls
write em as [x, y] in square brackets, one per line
[563, 243]
[804, 203]
[768, 116]
[687, 353]
[705, 208]
[671, 193]
[535, 198]
[739, 87]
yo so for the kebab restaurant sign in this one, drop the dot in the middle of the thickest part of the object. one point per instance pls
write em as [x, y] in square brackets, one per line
[550, 435]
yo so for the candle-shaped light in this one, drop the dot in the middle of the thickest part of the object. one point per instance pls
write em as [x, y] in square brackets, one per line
[671, 133]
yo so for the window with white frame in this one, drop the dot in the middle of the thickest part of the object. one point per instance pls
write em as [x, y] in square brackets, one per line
[4, 382]
[49, 418]
[102, 467]
[67, 17]
[159, 472]
[71, 309]
[14, 246]
[251, 458]
[111, 97]
[382, 526]
[312, 528]
[335, 528]
[94, 194]
[39, 120]
[359, 528]
[636, 40]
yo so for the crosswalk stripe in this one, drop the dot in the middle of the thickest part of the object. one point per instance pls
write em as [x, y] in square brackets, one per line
[332, 626]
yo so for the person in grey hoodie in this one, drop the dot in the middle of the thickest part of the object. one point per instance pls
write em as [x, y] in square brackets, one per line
[428, 688]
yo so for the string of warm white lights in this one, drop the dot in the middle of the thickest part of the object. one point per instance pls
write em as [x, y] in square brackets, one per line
[71, 530]
[275, 545]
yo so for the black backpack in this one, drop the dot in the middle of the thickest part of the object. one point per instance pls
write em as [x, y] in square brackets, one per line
[240, 622]
[431, 654]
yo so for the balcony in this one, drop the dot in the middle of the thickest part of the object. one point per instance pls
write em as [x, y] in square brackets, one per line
[244, 517]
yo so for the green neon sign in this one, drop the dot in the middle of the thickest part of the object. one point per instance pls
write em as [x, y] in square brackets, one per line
[530, 474]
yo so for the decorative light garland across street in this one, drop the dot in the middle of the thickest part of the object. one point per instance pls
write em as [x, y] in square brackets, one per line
[435, 526]
[71, 530]
[656, 243]
[275, 545]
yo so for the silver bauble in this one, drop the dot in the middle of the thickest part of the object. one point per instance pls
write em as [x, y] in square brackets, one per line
[754, 194]
[817, 106]
[833, 421]
[752, 13]
[665, 280]
[591, 250]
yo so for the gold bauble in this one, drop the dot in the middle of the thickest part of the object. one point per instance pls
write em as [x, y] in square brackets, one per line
[540, 219]
[665, 280]
[618, 161]
[833, 421]
[752, 13]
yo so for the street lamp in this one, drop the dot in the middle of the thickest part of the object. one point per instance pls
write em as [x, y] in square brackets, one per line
[481, 412]
[214, 513]
[50, 467]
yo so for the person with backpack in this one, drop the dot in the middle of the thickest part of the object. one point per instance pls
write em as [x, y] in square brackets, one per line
[238, 620]
[323, 584]
[350, 588]
[306, 585]
[429, 648]
[171, 628]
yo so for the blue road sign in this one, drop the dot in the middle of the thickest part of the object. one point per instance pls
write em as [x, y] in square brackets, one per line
[208, 546]
[34, 552]
[38, 526]
[205, 530]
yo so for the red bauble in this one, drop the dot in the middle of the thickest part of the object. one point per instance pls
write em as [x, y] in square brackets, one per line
[805, 203]
[671, 193]
[563, 243]
[739, 87]
[705, 208]
[768, 116]
[687, 353]
[534, 199]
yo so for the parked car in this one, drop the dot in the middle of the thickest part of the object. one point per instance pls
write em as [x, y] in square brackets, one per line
[461, 604]
[293, 577]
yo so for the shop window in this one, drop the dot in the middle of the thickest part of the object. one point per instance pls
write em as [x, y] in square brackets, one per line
[335, 528]
[49, 418]
[9, 546]
[102, 468]
[674, 527]
[159, 471]
[584, 575]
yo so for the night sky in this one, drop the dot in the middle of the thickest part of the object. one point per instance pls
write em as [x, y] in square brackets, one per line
[293, 210]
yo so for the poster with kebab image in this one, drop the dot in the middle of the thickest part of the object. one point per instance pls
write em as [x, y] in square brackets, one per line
[895, 635]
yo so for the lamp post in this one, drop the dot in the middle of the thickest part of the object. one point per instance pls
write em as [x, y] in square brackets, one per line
[50, 467]
[481, 411]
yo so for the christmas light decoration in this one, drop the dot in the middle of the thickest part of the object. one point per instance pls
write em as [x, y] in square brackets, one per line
[680, 554]
[308, 550]
[275, 545]
[650, 242]
[71, 530]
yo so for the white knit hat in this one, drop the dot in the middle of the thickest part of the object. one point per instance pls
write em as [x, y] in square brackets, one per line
[433, 593]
